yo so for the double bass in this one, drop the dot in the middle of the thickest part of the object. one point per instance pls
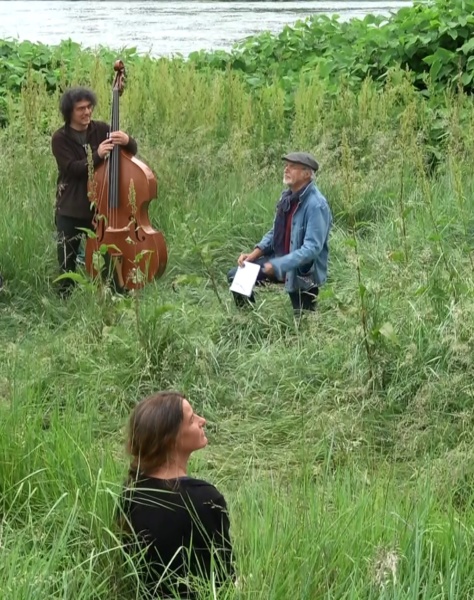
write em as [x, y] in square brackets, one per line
[120, 189]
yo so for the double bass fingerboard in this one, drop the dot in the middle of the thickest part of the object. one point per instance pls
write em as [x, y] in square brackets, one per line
[114, 158]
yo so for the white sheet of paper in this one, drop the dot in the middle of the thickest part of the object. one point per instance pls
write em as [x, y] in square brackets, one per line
[245, 278]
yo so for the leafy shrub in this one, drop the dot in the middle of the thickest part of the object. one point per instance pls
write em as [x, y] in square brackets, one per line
[434, 40]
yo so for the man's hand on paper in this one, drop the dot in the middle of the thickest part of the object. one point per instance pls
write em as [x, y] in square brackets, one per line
[242, 258]
[250, 257]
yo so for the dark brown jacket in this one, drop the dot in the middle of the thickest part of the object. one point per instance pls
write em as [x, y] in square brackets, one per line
[71, 156]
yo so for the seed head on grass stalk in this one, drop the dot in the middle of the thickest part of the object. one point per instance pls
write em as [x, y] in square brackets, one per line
[406, 143]
[427, 187]
[348, 175]
[138, 276]
[454, 165]
[307, 123]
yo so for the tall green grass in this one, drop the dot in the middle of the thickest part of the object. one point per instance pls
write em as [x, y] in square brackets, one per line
[343, 442]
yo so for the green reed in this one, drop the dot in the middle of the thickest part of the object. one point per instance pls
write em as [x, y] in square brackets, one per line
[343, 481]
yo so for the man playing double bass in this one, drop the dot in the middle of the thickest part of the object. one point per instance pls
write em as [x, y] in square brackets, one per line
[70, 145]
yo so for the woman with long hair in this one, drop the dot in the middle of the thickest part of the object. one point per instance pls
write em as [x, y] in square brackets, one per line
[179, 523]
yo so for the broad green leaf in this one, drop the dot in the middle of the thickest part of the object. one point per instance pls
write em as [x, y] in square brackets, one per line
[388, 332]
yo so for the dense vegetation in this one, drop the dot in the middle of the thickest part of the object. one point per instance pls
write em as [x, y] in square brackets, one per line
[432, 40]
[343, 442]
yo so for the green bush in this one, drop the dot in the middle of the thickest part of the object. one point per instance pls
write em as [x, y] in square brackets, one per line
[433, 40]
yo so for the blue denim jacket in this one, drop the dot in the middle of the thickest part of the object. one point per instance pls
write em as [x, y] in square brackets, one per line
[307, 262]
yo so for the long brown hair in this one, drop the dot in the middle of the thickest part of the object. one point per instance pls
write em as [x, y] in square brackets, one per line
[152, 431]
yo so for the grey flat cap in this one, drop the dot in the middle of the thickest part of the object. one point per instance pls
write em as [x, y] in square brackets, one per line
[302, 158]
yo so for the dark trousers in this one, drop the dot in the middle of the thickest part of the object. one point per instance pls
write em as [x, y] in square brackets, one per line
[69, 239]
[300, 300]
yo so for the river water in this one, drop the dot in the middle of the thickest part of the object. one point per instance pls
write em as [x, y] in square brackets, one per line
[166, 27]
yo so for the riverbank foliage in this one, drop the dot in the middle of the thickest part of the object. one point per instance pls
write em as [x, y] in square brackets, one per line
[432, 40]
[343, 442]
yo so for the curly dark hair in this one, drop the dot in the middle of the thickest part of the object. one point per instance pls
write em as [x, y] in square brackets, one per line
[71, 97]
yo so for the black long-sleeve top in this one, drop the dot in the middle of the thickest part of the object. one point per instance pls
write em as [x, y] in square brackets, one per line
[184, 526]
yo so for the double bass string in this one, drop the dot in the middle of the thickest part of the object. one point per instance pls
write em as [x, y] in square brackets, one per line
[113, 165]
[116, 153]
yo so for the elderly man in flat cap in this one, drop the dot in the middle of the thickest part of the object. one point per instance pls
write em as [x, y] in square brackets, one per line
[295, 250]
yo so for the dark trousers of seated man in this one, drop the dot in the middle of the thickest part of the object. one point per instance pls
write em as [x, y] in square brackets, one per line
[70, 235]
[300, 300]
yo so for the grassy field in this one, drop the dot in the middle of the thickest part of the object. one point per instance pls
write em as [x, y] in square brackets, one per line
[343, 443]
